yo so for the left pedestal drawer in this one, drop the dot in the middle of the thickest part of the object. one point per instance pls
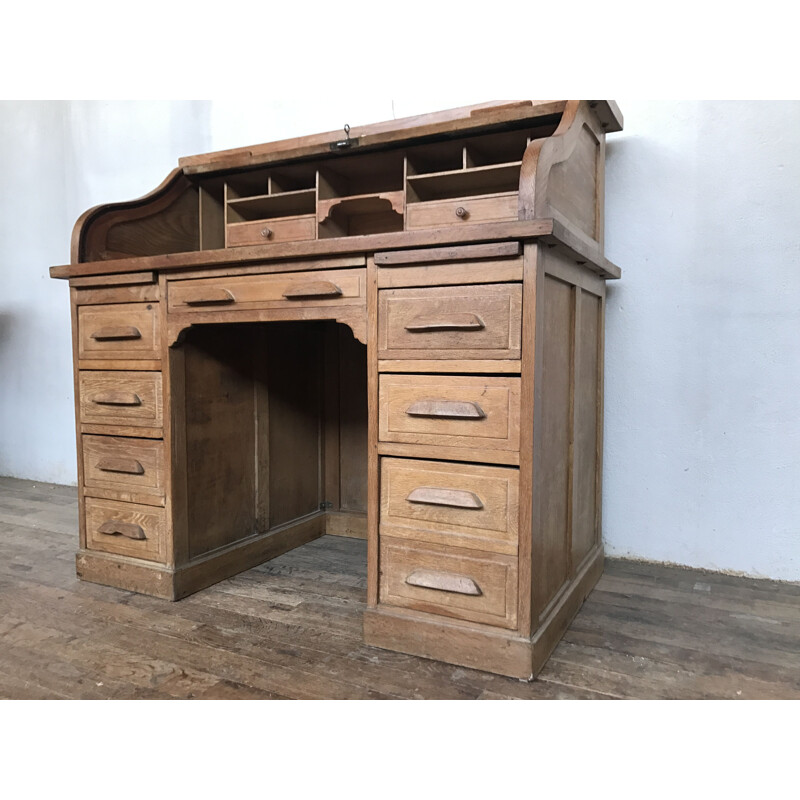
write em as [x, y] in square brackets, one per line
[120, 398]
[123, 464]
[126, 529]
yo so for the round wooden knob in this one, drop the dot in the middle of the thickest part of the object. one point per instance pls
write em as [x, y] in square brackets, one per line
[266, 233]
[462, 212]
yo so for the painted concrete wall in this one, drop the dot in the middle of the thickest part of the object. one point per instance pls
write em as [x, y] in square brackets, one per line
[702, 433]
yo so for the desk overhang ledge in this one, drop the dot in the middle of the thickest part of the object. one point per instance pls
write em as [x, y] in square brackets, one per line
[554, 232]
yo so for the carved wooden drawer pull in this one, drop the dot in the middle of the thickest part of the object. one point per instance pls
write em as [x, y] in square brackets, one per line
[455, 498]
[454, 409]
[114, 398]
[313, 289]
[207, 295]
[130, 466]
[115, 333]
[131, 530]
[446, 322]
[443, 581]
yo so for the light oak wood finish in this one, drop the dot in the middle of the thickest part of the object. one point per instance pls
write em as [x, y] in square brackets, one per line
[124, 466]
[449, 582]
[449, 411]
[125, 529]
[121, 398]
[457, 323]
[452, 504]
[397, 335]
[128, 331]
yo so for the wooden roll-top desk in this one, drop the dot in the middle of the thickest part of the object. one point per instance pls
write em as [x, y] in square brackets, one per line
[393, 332]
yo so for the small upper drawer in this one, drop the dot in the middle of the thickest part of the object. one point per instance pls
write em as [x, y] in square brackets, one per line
[126, 330]
[126, 529]
[275, 290]
[451, 411]
[449, 582]
[267, 231]
[123, 464]
[120, 398]
[450, 322]
[463, 211]
[468, 505]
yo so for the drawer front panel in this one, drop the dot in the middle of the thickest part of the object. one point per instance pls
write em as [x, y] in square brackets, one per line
[127, 330]
[449, 582]
[450, 411]
[278, 290]
[458, 322]
[121, 398]
[464, 505]
[123, 464]
[269, 231]
[462, 211]
[125, 529]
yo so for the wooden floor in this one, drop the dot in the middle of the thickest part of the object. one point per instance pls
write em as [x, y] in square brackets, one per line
[292, 629]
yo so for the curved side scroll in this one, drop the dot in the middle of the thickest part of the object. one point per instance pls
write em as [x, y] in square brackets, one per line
[577, 134]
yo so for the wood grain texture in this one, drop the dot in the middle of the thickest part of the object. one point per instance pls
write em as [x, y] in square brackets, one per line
[481, 322]
[124, 465]
[125, 331]
[151, 545]
[292, 628]
[496, 428]
[135, 398]
[488, 522]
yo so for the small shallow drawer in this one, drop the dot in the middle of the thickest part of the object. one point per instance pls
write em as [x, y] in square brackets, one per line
[125, 529]
[465, 505]
[269, 231]
[450, 411]
[120, 398]
[123, 464]
[127, 330]
[463, 211]
[449, 582]
[276, 290]
[450, 322]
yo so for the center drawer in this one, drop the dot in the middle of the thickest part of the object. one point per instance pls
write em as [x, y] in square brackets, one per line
[451, 411]
[450, 322]
[274, 290]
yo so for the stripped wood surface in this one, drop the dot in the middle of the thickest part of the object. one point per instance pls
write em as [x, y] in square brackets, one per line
[291, 628]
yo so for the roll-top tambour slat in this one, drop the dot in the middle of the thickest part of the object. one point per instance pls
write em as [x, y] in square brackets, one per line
[130, 530]
[118, 333]
[444, 582]
[454, 498]
[313, 289]
[207, 296]
[451, 409]
[446, 322]
[117, 398]
[128, 466]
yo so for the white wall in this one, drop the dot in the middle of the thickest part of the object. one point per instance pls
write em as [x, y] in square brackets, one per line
[702, 430]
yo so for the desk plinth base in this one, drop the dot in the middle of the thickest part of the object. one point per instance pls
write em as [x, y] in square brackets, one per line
[478, 646]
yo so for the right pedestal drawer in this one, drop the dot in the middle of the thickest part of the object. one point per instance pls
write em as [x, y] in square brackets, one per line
[482, 322]
[453, 504]
[450, 411]
[449, 582]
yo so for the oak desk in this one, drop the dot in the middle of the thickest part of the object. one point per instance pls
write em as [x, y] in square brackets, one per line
[393, 332]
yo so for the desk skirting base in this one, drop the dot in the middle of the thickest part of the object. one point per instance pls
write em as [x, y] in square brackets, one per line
[480, 647]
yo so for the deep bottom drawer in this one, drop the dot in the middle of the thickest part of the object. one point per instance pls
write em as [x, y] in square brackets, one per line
[126, 529]
[449, 582]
